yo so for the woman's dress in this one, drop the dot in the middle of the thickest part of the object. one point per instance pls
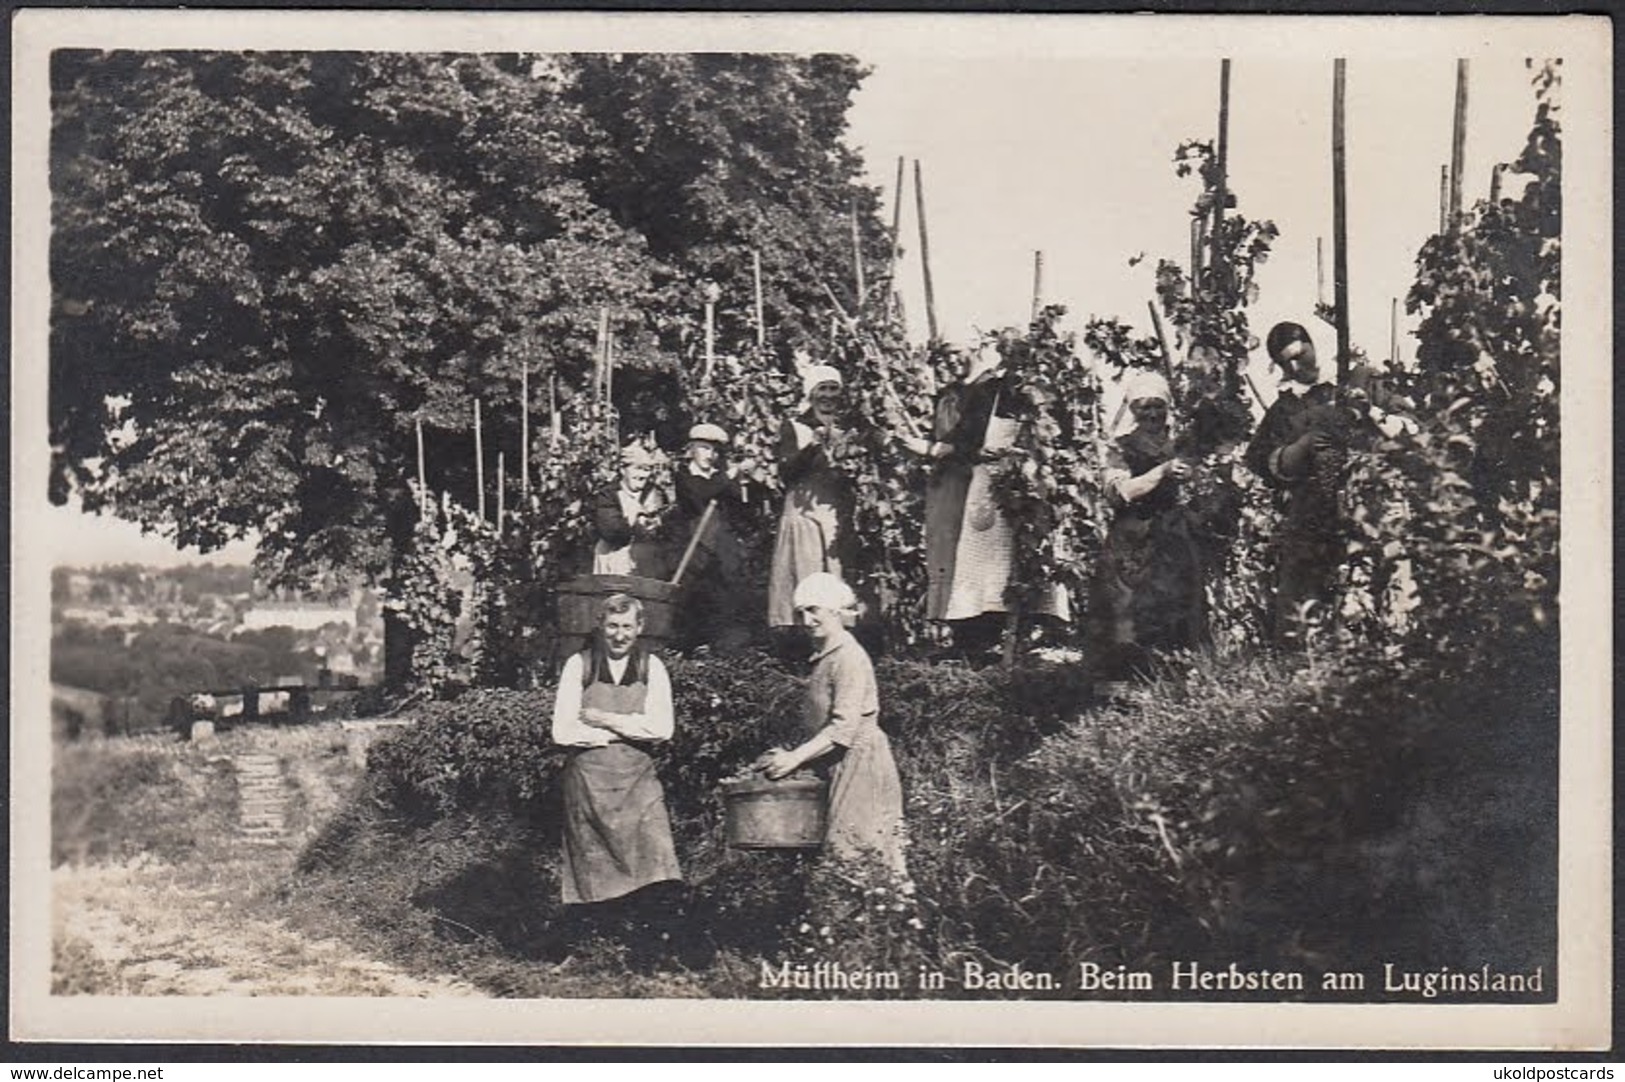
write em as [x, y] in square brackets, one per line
[815, 526]
[1147, 589]
[945, 491]
[984, 555]
[865, 793]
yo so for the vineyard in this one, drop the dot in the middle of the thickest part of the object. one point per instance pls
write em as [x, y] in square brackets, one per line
[421, 369]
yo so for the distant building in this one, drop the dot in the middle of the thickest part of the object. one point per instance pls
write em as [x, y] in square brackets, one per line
[295, 614]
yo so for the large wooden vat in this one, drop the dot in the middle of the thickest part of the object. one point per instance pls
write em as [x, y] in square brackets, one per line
[578, 609]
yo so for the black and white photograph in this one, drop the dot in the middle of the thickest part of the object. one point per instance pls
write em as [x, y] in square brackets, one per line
[842, 529]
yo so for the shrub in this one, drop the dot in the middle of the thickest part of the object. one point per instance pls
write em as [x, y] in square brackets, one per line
[1039, 832]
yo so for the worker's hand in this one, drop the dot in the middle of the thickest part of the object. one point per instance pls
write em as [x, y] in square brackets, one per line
[1297, 455]
[1176, 468]
[778, 763]
[916, 445]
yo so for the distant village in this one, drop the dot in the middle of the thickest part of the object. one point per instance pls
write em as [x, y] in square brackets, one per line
[127, 639]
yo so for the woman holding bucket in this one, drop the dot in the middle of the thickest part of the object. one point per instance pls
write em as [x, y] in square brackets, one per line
[842, 717]
[614, 700]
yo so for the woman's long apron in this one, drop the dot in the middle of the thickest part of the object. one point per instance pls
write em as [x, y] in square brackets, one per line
[985, 556]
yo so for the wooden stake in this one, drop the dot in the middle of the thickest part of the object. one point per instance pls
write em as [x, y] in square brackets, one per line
[761, 322]
[524, 429]
[479, 461]
[598, 355]
[609, 370]
[694, 541]
[1444, 198]
[553, 406]
[1393, 330]
[710, 337]
[1038, 284]
[1162, 342]
[1495, 182]
[423, 474]
[1217, 260]
[857, 256]
[925, 254]
[840, 309]
[1340, 234]
[502, 494]
[1458, 145]
[1320, 271]
[1197, 241]
[896, 241]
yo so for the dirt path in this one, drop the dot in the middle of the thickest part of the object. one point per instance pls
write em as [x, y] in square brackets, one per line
[136, 930]
[131, 916]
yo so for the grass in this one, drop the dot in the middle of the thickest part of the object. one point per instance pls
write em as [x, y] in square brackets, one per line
[1235, 809]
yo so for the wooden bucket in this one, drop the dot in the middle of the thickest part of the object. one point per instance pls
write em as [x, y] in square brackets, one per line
[787, 814]
[578, 609]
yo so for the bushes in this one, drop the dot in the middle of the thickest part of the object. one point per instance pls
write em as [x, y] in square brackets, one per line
[1198, 821]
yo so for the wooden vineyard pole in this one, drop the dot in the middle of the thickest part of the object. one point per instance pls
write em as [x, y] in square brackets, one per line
[1320, 271]
[524, 430]
[1340, 235]
[896, 241]
[1217, 260]
[598, 355]
[1458, 146]
[710, 293]
[1444, 198]
[554, 423]
[1495, 182]
[1393, 330]
[502, 486]
[479, 462]
[1038, 284]
[609, 391]
[1197, 241]
[857, 256]
[424, 503]
[761, 322]
[925, 254]
[1162, 344]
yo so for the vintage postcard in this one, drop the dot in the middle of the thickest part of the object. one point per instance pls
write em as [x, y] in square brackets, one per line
[967, 530]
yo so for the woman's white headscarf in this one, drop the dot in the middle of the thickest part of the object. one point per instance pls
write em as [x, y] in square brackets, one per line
[815, 374]
[826, 591]
[1144, 384]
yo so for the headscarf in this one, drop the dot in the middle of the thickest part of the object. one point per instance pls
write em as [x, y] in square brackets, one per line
[826, 591]
[815, 374]
[1144, 384]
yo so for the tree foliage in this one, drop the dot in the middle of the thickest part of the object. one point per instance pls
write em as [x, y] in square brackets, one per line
[269, 267]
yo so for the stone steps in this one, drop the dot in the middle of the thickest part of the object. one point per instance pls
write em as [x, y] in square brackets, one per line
[262, 800]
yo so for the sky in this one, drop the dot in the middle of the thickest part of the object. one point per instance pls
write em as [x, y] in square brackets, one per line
[1075, 160]
[1072, 156]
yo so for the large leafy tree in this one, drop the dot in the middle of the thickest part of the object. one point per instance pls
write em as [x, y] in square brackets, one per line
[270, 268]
